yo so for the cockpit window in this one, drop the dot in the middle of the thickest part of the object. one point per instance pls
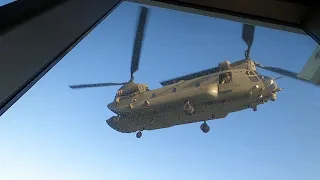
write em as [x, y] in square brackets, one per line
[260, 76]
[253, 78]
[268, 81]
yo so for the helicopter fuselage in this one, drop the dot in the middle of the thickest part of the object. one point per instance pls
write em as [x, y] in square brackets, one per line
[205, 98]
[205, 95]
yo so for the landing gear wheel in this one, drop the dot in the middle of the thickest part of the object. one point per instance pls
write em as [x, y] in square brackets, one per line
[188, 108]
[205, 128]
[139, 134]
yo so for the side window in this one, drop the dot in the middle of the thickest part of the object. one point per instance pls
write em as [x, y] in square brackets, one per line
[253, 78]
[225, 78]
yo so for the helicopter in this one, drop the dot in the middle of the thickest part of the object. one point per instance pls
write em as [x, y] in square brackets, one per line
[198, 97]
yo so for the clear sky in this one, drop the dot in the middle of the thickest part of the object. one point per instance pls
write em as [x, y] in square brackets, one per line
[54, 132]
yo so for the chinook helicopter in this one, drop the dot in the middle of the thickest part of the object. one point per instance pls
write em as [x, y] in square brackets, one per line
[207, 95]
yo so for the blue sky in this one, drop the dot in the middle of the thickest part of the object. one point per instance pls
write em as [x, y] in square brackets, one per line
[54, 132]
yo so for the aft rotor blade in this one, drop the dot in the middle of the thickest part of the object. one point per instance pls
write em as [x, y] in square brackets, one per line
[80, 86]
[284, 72]
[248, 34]
[190, 76]
[138, 40]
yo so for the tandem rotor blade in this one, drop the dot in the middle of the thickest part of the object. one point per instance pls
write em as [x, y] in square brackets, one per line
[81, 86]
[138, 40]
[248, 35]
[190, 76]
[284, 72]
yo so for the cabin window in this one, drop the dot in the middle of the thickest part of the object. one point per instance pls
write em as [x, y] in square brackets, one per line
[225, 78]
[247, 73]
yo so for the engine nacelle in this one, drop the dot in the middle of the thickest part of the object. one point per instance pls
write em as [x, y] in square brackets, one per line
[132, 88]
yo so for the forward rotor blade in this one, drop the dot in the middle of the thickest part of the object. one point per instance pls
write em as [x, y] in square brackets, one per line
[284, 72]
[138, 40]
[80, 86]
[190, 76]
[248, 34]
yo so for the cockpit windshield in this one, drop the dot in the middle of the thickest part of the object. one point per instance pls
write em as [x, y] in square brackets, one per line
[268, 81]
